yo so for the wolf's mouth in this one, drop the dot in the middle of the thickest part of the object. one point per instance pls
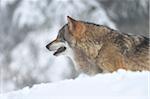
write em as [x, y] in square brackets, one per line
[59, 50]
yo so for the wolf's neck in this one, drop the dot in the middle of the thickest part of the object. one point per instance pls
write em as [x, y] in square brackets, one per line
[70, 53]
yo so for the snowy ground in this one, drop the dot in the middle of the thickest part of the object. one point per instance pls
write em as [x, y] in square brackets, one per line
[118, 85]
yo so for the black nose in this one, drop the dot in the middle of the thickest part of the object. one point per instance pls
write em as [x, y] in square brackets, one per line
[47, 46]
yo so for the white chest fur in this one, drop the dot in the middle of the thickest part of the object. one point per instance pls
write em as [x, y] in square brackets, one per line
[70, 53]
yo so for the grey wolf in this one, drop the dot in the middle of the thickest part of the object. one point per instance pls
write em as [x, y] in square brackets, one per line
[96, 48]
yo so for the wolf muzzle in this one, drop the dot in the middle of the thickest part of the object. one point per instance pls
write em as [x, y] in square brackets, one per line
[47, 46]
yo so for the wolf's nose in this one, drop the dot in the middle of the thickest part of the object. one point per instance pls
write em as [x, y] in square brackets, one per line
[47, 46]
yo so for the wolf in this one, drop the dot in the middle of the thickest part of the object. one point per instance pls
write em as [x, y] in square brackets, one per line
[96, 48]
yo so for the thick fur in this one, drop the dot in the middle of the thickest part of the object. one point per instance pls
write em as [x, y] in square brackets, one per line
[95, 48]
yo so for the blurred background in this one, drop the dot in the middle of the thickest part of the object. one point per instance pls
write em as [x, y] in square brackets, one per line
[26, 26]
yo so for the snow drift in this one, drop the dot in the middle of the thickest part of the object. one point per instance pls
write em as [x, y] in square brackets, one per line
[120, 84]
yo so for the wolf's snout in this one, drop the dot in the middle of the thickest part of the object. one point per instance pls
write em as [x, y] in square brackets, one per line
[47, 47]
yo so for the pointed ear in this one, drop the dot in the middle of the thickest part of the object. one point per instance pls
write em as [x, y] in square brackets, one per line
[71, 23]
[76, 27]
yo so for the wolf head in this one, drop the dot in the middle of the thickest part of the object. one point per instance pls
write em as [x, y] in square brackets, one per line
[67, 37]
[78, 36]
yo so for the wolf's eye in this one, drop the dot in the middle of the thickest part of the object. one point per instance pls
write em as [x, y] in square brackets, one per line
[62, 38]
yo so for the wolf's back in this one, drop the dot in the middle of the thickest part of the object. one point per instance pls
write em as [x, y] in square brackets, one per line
[130, 52]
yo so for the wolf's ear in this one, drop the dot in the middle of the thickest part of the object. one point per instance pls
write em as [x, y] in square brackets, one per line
[71, 23]
[76, 27]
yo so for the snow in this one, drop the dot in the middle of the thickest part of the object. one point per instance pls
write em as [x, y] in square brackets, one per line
[28, 12]
[4, 3]
[37, 12]
[118, 85]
